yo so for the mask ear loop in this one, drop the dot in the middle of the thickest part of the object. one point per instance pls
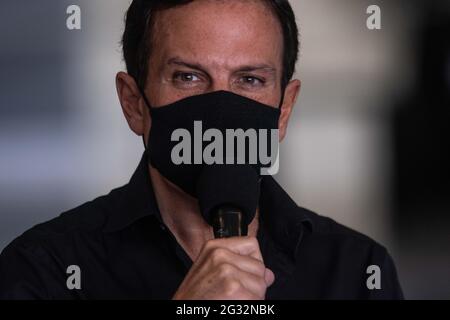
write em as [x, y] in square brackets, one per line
[149, 106]
[283, 89]
[279, 107]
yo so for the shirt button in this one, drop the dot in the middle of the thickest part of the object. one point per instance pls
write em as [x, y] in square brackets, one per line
[162, 227]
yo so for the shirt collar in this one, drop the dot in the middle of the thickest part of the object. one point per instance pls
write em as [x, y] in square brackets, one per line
[136, 200]
[281, 216]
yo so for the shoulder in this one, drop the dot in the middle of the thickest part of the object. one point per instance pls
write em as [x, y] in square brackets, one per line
[82, 221]
[33, 266]
[43, 251]
[334, 234]
[345, 244]
[87, 218]
[349, 257]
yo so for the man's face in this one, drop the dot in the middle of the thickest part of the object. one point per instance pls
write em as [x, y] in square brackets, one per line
[216, 45]
[211, 45]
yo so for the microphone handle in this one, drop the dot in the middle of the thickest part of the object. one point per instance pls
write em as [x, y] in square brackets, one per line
[227, 221]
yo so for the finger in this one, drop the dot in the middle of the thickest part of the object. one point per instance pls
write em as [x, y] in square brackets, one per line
[236, 280]
[247, 246]
[269, 277]
[245, 263]
[252, 283]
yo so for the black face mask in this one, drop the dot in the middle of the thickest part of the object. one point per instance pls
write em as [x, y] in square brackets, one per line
[220, 110]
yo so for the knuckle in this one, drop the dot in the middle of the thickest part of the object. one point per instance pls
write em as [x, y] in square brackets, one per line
[225, 270]
[232, 287]
[209, 245]
[218, 255]
[253, 242]
[261, 283]
[260, 268]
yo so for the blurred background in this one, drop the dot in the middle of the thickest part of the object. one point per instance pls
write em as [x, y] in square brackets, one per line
[368, 144]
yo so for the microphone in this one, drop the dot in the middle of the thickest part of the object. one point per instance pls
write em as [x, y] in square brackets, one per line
[228, 197]
[227, 221]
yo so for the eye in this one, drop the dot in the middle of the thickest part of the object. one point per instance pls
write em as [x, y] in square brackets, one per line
[252, 81]
[185, 77]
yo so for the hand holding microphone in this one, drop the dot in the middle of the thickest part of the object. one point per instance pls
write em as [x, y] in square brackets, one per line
[230, 266]
[227, 269]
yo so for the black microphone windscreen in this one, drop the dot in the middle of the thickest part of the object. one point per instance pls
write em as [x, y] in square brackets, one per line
[235, 185]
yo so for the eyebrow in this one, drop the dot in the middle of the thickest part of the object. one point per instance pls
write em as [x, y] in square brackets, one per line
[179, 62]
[244, 68]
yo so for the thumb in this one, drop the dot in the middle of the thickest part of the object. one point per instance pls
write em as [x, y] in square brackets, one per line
[269, 277]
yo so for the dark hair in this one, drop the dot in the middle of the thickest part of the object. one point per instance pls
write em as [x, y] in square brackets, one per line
[137, 37]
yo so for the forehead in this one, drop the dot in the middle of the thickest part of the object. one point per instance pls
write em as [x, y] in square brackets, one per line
[221, 32]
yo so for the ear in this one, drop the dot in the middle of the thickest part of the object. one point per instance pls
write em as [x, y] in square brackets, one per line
[290, 97]
[133, 106]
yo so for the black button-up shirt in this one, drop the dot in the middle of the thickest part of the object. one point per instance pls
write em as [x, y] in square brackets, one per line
[124, 251]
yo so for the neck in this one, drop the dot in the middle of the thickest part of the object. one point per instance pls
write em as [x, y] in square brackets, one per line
[181, 214]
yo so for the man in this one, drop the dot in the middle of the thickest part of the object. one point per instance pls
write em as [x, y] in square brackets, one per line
[148, 238]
